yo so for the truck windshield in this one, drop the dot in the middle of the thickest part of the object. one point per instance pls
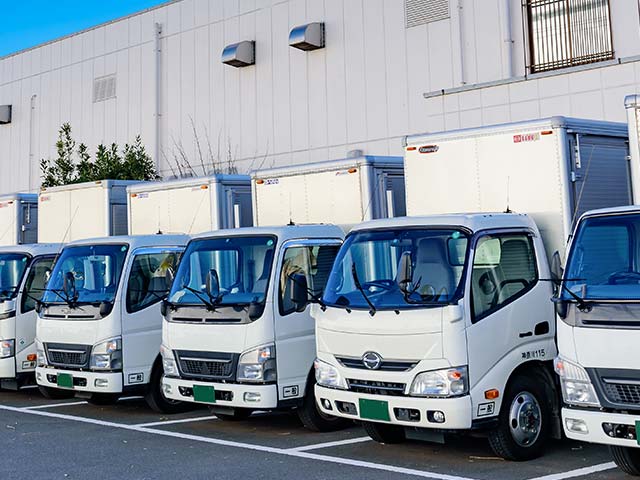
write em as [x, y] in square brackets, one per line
[12, 268]
[95, 270]
[437, 257]
[604, 262]
[243, 266]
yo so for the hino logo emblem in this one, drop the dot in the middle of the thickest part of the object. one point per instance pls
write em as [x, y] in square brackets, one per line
[372, 360]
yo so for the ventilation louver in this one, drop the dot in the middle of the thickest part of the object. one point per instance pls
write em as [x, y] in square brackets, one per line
[420, 12]
[104, 88]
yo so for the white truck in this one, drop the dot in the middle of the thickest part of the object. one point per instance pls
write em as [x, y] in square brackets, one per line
[191, 205]
[443, 322]
[83, 210]
[598, 323]
[18, 218]
[24, 271]
[235, 338]
[99, 325]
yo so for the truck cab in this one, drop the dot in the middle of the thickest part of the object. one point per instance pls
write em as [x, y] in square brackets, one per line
[238, 334]
[99, 326]
[441, 323]
[24, 270]
[598, 334]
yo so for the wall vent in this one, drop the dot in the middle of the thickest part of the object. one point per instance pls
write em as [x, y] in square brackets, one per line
[104, 88]
[421, 12]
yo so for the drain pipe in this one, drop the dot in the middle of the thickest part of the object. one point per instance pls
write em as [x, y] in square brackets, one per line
[463, 79]
[32, 114]
[158, 102]
[507, 37]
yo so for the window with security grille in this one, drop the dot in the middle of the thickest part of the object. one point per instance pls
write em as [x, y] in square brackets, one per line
[566, 33]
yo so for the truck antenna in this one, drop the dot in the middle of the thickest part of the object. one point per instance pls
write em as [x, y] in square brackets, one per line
[508, 210]
[66, 232]
[195, 214]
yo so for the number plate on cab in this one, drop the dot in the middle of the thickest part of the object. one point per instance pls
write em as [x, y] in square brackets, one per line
[204, 394]
[64, 380]
[374, 410]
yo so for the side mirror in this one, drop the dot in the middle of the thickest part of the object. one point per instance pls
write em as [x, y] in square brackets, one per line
[405, 274]
[212, 284]
[69, 285]
[299, 291]
[556, 266]
[561, 307]
[169, 276]
[105, 308]
[256, 309]
[164, 307]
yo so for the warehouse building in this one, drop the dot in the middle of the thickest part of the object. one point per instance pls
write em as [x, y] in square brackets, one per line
[249, 83]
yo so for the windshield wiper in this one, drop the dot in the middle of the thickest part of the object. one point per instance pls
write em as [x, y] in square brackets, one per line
[71, 302]
[8, 293]
[356, 281]
[582, 304]
[210, 305]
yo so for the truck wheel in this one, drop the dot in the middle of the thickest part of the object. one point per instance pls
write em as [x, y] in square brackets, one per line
[384, 433]
[55, 393]
[237, 415]
[627, 459]
[103, 398]
[155, 397]
[315, 419]
[523, 423]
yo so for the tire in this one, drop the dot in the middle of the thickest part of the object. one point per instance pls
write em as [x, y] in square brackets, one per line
[627, 459]
[55, 393]
[237, 415]
[524, 420]
[314, 419]
[155, 397]
[102, 399]
[384, 433]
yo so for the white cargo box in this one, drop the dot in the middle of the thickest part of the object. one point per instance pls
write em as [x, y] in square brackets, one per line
[553, 169]
[18, 219]
[192, 205]
[83, 210]
[342, 192]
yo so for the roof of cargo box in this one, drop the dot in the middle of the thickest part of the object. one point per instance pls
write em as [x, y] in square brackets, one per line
[472, 221]
[286, 232]
[584, 126]
[190, 181]
[315, 167]
[77, 186]
[23, 197]
[136, 241]
[612, 211]
[33, 249]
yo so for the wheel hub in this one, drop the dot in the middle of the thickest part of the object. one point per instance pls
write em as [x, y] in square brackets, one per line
[525, 419]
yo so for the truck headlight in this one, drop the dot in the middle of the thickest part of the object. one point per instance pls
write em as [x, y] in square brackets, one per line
[107, 355]
[575, 383]
[169, 364]
[328, 376]
[449, 382]
[42, 357]
[7, 348]
[258, 365]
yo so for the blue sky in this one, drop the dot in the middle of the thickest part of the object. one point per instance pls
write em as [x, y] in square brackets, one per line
[26, 23]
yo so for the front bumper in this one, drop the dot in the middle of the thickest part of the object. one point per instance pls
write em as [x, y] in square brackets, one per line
[457, 411]
[594, 420]
[8, 368]
[226, 394]
[91, 382]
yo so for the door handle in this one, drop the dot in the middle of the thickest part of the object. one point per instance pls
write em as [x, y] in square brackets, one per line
[525, 334]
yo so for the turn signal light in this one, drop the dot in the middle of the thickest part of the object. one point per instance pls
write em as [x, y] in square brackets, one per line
[353, 170]
[492, 394]
[204, 187]
[411, 149]
[32, 357]
[260, 181]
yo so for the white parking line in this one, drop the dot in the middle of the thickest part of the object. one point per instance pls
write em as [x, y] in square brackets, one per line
[247, 446]
[173, 422]
[578, 472]
[337, 443]
[54, 405]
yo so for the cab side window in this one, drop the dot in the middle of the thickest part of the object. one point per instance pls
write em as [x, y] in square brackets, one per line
[147, 281]
[314, 262]
[504, 269]
[35, 284]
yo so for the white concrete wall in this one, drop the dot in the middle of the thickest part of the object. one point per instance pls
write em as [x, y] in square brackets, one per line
[364, 90]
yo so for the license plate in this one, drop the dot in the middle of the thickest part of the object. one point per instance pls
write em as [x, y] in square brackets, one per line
[204, 394]
[65, 380]
[638, 431]
[374, 410]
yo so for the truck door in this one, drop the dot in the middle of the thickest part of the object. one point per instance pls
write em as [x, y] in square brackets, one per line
[601, 173]
[295, 331]
[26, 317]
[510, 309]
[141, 318]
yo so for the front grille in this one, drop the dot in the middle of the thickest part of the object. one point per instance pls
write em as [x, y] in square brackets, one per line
[68, 355]
[621, 393]
[207, 365]
[385, 365]
[376, 388]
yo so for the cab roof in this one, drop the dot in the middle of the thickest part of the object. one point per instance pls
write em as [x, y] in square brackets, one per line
[33, 249]
[472, 221]
[135, 241]
[287, 232]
